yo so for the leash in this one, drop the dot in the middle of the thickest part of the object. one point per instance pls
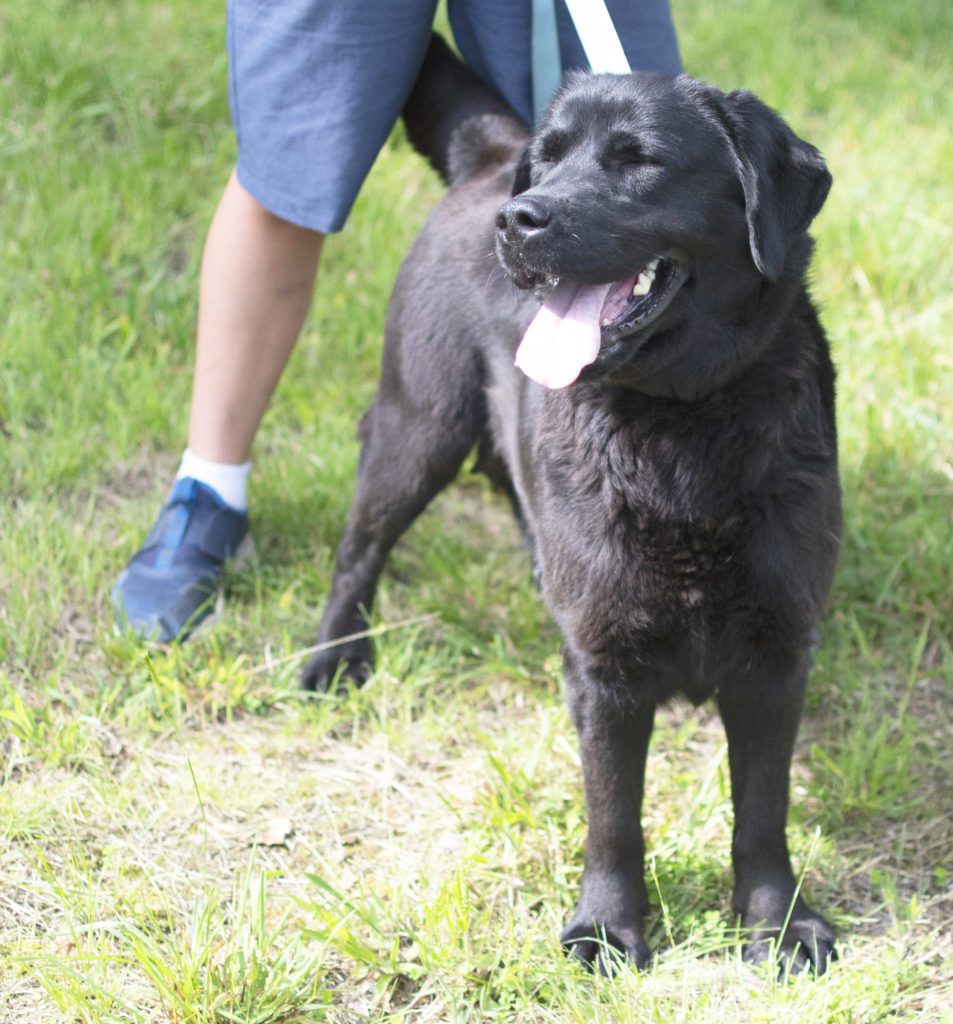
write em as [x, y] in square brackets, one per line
[600, 43]
[598, 36]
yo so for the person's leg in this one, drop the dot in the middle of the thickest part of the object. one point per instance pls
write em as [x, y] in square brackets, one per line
[315, 88]
[255, 288]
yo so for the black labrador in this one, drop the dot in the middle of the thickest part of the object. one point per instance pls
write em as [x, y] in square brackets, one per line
[675, 475]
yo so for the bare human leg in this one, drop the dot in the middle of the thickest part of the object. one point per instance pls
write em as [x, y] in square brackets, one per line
[256, 284]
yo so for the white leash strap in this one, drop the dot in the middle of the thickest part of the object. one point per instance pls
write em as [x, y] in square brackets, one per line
[598, 36]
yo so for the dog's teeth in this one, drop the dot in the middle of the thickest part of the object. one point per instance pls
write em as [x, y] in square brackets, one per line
[644, 284]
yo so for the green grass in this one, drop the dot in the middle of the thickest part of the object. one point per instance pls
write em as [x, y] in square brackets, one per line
[185, 837]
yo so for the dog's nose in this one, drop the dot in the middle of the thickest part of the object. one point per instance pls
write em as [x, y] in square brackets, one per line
[522, 217]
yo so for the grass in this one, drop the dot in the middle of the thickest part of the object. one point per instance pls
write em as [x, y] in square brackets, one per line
[187, 838]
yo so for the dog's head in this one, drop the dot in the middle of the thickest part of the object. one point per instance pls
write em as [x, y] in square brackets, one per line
[644, 204]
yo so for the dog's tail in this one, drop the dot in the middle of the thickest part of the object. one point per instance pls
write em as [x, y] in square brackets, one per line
[456, 122]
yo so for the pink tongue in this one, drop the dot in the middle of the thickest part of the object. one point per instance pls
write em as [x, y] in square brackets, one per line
[565, 335]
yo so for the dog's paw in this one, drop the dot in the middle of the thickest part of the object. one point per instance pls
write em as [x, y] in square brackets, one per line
[605, 947]
[350, 662]
[806, 943]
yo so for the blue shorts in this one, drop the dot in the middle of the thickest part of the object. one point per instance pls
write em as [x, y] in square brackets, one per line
[315, 86]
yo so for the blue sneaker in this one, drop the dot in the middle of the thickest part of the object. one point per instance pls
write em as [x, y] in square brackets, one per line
[173, 581]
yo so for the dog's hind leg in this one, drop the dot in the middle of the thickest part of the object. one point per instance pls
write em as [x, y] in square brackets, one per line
[413, 445]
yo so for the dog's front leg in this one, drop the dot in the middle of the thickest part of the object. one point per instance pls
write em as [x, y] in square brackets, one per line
[613, 738]
[761, 718]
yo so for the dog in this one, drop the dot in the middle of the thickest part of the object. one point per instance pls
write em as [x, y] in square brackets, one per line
[672, 463]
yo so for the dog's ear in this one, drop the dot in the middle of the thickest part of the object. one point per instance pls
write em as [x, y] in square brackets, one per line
[521, 179]
[785, 179]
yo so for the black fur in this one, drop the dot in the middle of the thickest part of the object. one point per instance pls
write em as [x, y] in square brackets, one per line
[681, 499]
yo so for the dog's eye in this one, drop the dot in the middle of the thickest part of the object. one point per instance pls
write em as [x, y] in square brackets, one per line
[626, 159]
[552, 148]
[625, 152]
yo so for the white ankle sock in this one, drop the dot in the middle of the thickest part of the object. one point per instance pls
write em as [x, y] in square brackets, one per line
[228, 480]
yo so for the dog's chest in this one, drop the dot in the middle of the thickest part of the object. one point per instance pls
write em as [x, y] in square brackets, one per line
[630, 562]
[639, 532]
